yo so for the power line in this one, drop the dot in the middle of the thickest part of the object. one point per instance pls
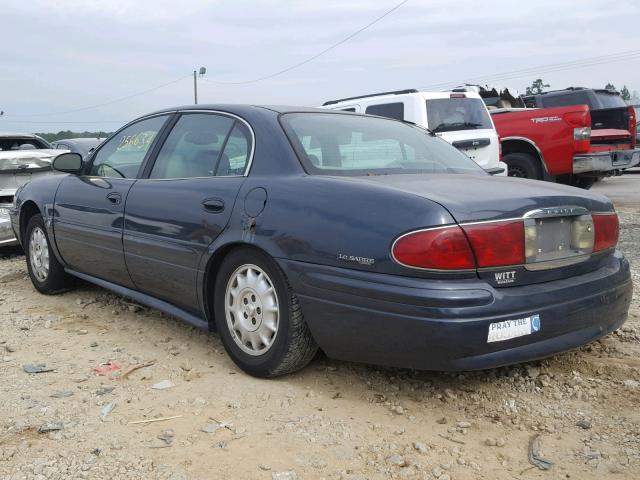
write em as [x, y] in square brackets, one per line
[98, 105]
[540, 69]
[313, 57]
[38, 122]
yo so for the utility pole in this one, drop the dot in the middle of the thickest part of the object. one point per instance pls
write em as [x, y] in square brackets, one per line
[197, 74]
[195, 88]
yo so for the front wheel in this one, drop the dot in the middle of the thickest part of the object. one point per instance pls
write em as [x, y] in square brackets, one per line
[258, 316]
[46, 273]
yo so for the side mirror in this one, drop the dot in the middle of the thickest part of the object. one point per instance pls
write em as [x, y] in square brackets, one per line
[68, 162]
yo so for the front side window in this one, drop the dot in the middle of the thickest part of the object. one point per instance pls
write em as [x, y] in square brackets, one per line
[123, 154]
[457, 113]
[203, 145]
[352, 145]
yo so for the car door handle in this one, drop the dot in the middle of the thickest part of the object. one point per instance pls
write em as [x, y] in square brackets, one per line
[213, 205]
[114, 197]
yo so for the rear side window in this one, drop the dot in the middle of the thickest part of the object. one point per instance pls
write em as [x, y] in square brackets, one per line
[389, 110]
[203, 145]
[236, 152]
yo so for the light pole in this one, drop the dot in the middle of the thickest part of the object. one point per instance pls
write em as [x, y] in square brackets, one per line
[196, 73]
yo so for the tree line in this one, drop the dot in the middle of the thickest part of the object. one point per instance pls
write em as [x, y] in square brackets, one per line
[538, 86]
[52, 137]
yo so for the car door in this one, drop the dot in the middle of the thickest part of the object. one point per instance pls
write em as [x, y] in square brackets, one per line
[89, 208]
[185, 202]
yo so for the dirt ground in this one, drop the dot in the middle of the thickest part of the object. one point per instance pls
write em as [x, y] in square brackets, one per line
[332, 420]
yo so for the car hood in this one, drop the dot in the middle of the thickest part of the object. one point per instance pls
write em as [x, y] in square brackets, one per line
[27, 159]
[471, 198]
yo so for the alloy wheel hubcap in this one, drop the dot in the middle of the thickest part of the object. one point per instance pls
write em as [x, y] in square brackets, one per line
[251, 309]
[39, 254]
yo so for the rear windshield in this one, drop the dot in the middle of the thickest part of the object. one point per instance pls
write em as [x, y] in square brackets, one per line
[610, 100]
[450, 114]
[353, 145]
[603, 100]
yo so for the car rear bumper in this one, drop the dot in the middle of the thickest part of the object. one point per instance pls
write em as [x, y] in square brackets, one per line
[606, 161]
[444, 325]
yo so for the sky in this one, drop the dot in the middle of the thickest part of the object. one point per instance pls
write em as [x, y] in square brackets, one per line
[62, 58]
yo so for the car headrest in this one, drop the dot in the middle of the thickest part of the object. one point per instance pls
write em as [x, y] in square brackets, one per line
[200, 137]
[26, 146]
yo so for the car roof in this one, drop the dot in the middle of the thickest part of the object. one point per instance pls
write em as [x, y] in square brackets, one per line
[239, 108]
[564, 91]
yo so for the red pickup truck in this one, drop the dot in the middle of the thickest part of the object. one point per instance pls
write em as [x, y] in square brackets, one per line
[569, 144]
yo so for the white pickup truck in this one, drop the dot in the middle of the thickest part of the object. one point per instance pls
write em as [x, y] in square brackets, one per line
[23, 156]
[460, 118]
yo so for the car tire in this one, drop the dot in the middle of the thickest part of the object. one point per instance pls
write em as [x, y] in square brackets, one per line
[258, 316]
[46, 273]
[523, 165]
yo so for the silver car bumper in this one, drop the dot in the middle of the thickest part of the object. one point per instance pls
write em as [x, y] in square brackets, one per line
[7, 237]
[606, 161]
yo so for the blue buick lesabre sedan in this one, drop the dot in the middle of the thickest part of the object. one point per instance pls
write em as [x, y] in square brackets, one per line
[291, 229]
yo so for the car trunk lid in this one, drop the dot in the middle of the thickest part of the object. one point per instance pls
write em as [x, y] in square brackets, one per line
[557, 221]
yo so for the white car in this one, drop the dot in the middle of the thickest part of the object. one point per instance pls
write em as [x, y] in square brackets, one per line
[23, 156]
[460, 118]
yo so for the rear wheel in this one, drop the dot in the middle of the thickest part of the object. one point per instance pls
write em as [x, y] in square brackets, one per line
[46, 273]
[523, 165]
[258, 316]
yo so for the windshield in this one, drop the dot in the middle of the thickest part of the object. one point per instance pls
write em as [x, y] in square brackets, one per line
[449, 114]
[17, 143]
[352, 145]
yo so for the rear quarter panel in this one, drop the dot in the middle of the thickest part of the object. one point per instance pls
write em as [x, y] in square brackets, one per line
[547, 130]
[340, 222]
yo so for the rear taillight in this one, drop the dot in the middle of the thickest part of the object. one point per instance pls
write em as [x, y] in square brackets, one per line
[444, 248]
[606, 231]
[578, 119]
[506, 243]
[497, 244]
[478, 245]
[632, 126]
[581, 123]
[499, 149]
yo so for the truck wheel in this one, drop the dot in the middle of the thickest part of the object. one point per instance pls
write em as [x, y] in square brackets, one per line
[258, 316]
[523, 165]
[46, 273]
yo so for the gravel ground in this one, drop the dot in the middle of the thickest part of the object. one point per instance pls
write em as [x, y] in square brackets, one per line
[333, 420]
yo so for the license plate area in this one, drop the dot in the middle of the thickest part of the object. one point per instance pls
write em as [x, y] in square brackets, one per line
[556, 240]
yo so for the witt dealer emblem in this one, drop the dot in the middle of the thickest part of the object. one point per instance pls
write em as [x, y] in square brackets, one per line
[505, 277]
